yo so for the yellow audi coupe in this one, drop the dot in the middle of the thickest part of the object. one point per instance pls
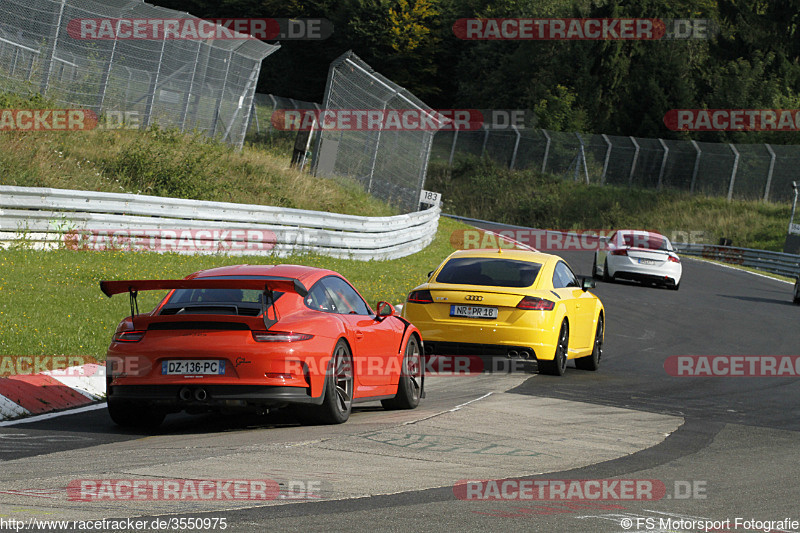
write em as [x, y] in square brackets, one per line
[509, 303]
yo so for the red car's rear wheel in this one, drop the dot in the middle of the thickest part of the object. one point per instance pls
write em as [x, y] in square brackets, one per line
[409, 388]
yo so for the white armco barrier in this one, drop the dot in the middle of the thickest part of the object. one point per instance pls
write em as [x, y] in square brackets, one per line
[44, 218]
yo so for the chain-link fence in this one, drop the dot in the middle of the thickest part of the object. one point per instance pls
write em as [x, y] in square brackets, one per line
[264, 105]
[741, 171]
[169, 79]
[389, 164]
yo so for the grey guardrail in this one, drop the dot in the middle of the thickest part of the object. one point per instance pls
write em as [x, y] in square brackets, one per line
[46, 218]
[774, 262]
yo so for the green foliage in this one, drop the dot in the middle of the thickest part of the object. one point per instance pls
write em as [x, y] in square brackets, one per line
[479, 188]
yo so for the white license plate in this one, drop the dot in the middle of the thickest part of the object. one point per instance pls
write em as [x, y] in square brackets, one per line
[647, 261]
[473, 311]
[193, 367]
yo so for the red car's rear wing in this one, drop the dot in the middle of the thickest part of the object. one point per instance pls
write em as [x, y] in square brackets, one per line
[267, 285]
[111, 288]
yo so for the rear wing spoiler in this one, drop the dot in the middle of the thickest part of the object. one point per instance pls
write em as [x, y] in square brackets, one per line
[266, 285]
[111, 288]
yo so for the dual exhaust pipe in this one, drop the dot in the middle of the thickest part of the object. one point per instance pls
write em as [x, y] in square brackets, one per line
[521, 354]
[187, 394]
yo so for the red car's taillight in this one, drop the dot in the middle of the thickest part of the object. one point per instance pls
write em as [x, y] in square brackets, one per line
[674, 259]
[420, 297]
[129, 336]
[621, 251]
[532, 303]
[280, 336]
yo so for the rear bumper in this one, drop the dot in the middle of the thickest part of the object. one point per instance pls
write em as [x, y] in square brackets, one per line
[173, 397]
[645, 277]
[480, 350]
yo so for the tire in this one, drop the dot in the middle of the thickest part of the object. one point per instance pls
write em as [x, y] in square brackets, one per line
[592, 362]
[675, 286]
[409, 388]
[134, 415]
[338, 400]
[558, 365]
[606, 275]
[796, 298]
[595, 275]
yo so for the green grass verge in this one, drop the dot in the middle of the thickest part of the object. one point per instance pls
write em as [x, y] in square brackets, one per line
[51, 304]
[479, 188]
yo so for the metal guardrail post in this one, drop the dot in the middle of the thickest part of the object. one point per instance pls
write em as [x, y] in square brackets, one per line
[663, 162]
[608, 157]
[485, 139]
[546, 150]
[516, 147]
[633, 164]
[50, 58]
[733, 172]
[696, 165]
[769, 172]
[453, 147]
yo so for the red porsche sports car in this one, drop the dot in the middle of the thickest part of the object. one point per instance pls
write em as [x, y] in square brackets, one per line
[253, 337]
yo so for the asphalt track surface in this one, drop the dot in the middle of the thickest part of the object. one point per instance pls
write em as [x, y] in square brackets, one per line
[736, 439]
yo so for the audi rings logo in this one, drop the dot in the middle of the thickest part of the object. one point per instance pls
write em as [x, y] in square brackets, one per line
[474, 298]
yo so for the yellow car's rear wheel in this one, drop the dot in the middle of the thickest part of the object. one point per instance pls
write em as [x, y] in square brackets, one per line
[558, 365]
[592, 361]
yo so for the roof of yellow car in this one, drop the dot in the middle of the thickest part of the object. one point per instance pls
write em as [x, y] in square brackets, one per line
[506, 253]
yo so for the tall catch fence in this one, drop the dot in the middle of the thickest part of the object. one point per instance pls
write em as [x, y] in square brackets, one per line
[174, 80]
[389, 164]
[734, 171]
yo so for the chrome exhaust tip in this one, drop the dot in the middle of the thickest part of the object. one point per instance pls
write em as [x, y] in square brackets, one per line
[185, 394]
[200, 395]
[512, 354]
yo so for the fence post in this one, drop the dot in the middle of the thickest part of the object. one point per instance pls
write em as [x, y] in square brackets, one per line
[581, 159]
[663, 162]
[151, 98]
[516, 147]
[378, 144]
[48, 67]
[608, 157]
[485, 139]
[453, 147]
[318, 142]
[633, 165]
[107, 73]
[185, 110]
[696, 165]
[221, 95]
[769, 172]
[733, 172]
[546, 150]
